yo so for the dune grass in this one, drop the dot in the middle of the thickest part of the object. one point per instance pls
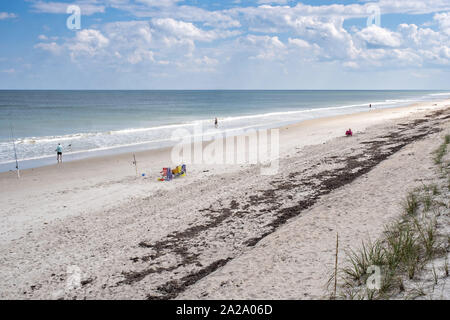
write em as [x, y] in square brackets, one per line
[442, 150]
[403, 251]
[406, 246]
[411, 204]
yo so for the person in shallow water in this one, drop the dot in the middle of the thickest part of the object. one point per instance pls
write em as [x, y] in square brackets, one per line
[216, 123]
[59, 153]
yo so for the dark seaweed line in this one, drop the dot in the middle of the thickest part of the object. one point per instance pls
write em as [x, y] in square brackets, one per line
[173, 243]
[173, 288]
[337, 178]
[340, 177]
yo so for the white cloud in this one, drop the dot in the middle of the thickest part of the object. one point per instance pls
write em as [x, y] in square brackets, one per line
[216, 19]
[159, 3]
[181, 29]
[129, 34]
[265, 41]
[185, 30]
[161, 42]
[88, 42]
[356, 10]
[263, 47]
[299, 43]
[190, 38]
[6, 15]
[444, 22]
[61, 7]
[413, 36]
[327, 33]
[413, 6]
[44, 37]
[444, 52]
[272, 1]
[52, 47]
[377, 36]
[140, 55]
[207, 61]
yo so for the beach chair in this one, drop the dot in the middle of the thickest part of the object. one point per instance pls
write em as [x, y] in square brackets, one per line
[176, 171]
[166, 175]
[179, 171]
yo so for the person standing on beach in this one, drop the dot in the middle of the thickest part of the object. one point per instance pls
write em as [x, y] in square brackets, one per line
[370, 106]
[216, 123]
[59, 153]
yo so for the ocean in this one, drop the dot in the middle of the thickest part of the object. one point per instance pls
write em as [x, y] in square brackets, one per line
[92, 123]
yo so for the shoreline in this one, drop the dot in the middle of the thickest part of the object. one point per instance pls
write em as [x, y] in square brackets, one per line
[132, 236]
[146, 152]
[110, 151]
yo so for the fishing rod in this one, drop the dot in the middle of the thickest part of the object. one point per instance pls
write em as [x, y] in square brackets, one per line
[15, 152]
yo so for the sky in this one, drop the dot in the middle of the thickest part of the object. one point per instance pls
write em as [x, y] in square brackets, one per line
[220, 44]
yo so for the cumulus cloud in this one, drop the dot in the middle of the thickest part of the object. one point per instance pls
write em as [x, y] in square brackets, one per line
[181, 29]
[88, 42]
[263, 47]
[415, 37]
[129, 34]
[377, 36]
[140, 55]
[413, 6]
[162, 42]
[327, 33]
[444, 22]
[300, 43]
[187, 30]
[184, 36]
[408, 46]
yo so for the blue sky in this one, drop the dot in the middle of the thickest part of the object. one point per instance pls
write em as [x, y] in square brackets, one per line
[246, 44]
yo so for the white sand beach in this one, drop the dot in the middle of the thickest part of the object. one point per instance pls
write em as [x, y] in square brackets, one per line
[221, 232]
